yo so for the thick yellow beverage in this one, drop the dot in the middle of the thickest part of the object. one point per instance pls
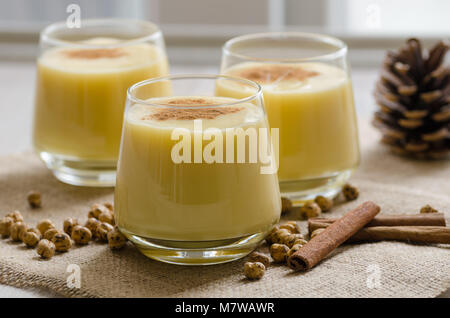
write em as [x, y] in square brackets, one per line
[81, 95]
[312, 105]
[160, 199]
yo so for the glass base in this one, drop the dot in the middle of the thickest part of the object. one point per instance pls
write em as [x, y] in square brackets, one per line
[300, 191]
[81, 172]
[196, 253]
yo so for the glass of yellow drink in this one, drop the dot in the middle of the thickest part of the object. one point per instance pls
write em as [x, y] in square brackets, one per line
[308, 96]
[82, 79]
[192, 185]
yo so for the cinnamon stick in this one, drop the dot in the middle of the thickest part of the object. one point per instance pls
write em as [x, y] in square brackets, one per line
[418, 234]
[333, 236]
[423, 219]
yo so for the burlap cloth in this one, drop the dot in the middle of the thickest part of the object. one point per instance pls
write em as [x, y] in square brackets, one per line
[384, 269]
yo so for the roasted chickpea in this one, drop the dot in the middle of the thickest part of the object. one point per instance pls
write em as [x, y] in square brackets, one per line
[50, 233]
[109, 206]
[310, 210]
[291, 239]
[102, 231]
[428, 209]
[46, 249]
[106, 217]
[254, 271]
[5, 226]
[69, 224]
[34, 199]
[290, 227]
[116, 240]
[62, 242]
[280, 235]
[300, 242]
[36, 231]
[279, 252]
[324, 203]
[96, 210]
[45, 225]
[92, 224]
[16, 231]
[286, 205]
[350, 192]
[81, 234]
[294, 249]
[269, 235]
[16, 216]
[316, 232]
[30, 239]
[259, 257]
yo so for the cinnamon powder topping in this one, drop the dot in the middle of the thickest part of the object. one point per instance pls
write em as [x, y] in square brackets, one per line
[95, 53]
[270, 73]
[191, 113]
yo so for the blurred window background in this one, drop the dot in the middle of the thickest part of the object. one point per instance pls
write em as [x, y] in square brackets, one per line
[196, 29]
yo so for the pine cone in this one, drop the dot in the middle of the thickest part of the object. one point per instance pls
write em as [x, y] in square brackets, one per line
[413, 95]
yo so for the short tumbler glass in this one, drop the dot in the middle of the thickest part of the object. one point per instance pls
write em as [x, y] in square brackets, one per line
[308, 96]
[192, 181]
[82, 78]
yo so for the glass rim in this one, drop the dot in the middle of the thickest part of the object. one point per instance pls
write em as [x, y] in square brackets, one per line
[131, 96]
[341, 46]
[47, 37]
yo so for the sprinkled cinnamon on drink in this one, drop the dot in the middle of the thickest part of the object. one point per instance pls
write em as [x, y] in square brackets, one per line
[190, 113]
[267, 74]
[94, 53]
[194, 101]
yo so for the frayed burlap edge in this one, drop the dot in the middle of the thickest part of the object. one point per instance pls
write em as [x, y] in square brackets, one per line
[19, 279]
